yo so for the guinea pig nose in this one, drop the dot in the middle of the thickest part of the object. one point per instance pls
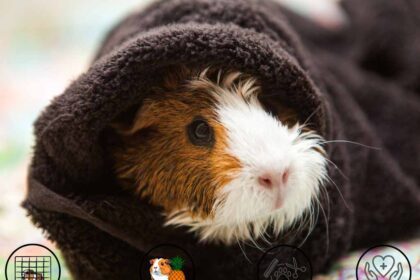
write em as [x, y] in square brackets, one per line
[265, 181]
[272, 179]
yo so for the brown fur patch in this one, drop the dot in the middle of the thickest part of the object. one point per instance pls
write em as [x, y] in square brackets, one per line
[165, 267]
[157, 159]
[284, 113]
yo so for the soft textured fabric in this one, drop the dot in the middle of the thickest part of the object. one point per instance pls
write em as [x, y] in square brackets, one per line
[335, 78]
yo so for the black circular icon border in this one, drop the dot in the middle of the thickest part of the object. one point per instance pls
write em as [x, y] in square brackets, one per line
[32, 244]
[172, 245]
[284, 245]
[383, 245]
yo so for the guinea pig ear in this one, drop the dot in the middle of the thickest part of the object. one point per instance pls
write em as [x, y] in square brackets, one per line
[152, 261]
[176, 75]
[143, 118]
[168, 262]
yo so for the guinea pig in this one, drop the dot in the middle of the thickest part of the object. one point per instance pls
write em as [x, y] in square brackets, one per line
[160, 269]
[29, 274]
[217, 158]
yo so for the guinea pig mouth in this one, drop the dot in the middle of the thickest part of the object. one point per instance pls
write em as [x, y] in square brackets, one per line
[278, 202]
[277, 196]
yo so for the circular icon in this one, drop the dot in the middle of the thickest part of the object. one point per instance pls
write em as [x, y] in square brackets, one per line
[167, 261]
[383, 262]
[284, 262]
[32, 261]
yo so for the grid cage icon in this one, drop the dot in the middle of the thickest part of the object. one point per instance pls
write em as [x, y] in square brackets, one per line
[33, 268]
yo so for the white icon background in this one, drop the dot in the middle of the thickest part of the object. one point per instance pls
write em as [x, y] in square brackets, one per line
[383, 263]
[32, 261]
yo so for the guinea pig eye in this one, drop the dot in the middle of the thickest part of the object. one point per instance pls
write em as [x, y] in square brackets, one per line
[200, 133]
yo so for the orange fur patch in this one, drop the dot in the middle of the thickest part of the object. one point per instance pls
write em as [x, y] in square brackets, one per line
[157, 160]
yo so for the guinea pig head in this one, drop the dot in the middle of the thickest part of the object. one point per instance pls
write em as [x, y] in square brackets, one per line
[160, 267]
[206, 149]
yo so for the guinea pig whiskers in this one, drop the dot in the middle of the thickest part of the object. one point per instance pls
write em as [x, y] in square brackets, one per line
[338, 169]
[252, 242]
[305, 123]
[352, 142]
[325, 194]
[242, 250]
[327, 232]
[340, 193]
[309, 224]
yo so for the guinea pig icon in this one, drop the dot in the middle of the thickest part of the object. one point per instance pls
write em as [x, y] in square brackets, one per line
[165, 269]
[160, 269]
[29, 274]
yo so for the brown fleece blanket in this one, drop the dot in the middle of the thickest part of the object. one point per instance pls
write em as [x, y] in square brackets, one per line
[353, 88]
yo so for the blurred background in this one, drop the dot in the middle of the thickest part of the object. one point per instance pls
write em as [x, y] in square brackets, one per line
[44, 45]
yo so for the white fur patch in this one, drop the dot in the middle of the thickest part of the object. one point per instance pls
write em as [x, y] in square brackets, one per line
[244, 210]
